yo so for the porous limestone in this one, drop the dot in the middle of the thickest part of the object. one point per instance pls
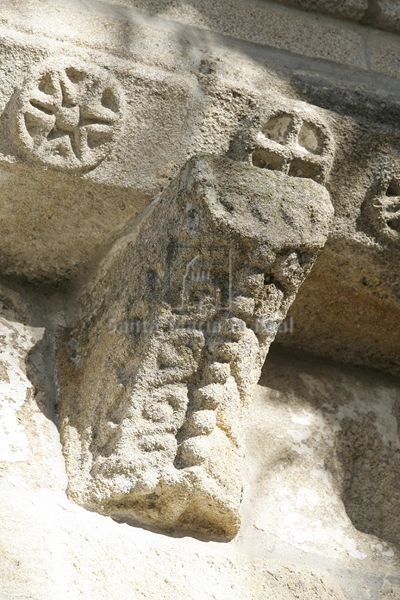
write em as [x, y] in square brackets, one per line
[168, 170]
[171, 334]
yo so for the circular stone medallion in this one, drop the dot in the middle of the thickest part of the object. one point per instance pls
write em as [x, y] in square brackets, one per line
[68, 115]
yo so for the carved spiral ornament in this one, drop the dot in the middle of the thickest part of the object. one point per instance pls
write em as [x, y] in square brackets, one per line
[68, 115]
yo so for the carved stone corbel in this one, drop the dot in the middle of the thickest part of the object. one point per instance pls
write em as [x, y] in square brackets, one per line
[156, 372]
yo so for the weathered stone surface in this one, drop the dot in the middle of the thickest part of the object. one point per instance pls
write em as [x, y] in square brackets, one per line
[179, 319]
[67, 115]
[257, 21]
[191, 101]
[71, 552]
[384, 14]
[332, 434]
[384, 54]
[347, 9]
[303, 414]
[101, 105]
[380, 14]
[30, 447]
[352, 315]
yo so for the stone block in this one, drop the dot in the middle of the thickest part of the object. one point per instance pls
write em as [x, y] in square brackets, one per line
[384, 51]
[157, 371]
[349, 9]
[384, 14]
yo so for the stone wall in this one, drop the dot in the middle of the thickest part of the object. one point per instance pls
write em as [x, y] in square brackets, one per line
[184, 185]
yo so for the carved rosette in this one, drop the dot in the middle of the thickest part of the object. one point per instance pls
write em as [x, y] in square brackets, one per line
[382, 207]
[157, 371]
[68, 114]
[295, 142]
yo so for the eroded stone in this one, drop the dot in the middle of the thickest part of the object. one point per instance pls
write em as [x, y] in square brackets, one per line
[156, 373]
[67, 114]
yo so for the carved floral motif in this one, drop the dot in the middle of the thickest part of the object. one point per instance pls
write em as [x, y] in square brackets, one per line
[68, 114]
[296, 144]
[383, 207]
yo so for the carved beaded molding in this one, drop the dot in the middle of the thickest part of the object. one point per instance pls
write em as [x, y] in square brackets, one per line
[67, 115]
[296, 143]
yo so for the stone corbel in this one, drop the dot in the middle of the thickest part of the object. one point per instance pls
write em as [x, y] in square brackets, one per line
[156, 373]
